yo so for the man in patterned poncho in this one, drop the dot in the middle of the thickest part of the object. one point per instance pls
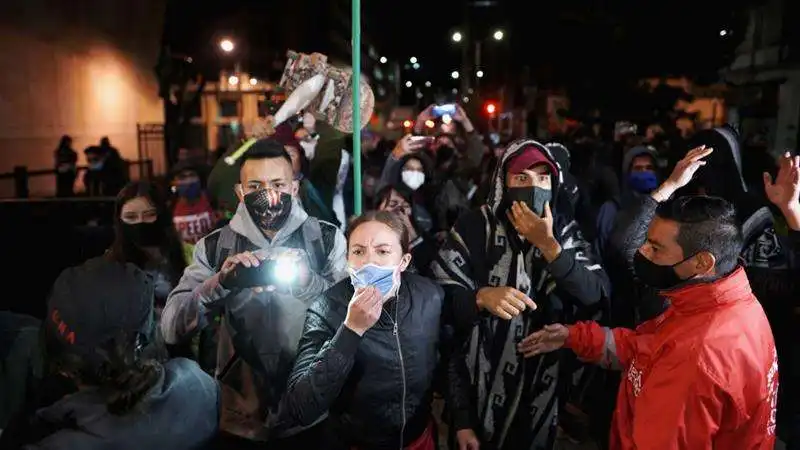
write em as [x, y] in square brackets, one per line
[508, 269]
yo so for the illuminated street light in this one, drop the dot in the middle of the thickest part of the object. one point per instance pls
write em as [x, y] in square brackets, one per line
[498, 35]
[723, 33]
[457, 37]
[409, 84]
[413, 60]
[416, 66]
[383, 60]
[253, 81]
[233, 80]
[226, 45]
[479, 74]
[427, 84]
[454, 75]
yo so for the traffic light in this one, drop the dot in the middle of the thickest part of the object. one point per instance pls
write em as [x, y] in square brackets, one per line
[490, 108]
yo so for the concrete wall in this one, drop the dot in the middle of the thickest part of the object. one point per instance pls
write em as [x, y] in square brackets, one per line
[81, 67]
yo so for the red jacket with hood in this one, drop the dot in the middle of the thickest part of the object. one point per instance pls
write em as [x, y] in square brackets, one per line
[703, 375]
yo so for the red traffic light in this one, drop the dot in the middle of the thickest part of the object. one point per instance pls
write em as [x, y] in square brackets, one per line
[490, 108]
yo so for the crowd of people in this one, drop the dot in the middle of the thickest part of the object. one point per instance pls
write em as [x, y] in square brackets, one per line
[586, 289]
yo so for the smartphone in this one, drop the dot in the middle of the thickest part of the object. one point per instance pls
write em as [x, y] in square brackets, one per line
[271, 272]
[446, 109]
[418, 139]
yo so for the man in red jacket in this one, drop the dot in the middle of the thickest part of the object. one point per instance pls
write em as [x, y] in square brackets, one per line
[703, 375]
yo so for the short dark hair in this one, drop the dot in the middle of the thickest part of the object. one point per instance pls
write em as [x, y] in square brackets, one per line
[265, 149]
[387, 218]
[706, 224]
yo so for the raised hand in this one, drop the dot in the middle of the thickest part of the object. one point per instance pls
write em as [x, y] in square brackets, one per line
[683, 172]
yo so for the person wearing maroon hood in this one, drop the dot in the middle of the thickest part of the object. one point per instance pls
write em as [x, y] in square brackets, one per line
[508, 269]
[301, 147]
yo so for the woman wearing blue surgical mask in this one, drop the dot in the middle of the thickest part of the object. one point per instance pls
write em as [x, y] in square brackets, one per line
[370, 346]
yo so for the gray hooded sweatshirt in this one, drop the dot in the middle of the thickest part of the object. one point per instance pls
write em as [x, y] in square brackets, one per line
[262, 328]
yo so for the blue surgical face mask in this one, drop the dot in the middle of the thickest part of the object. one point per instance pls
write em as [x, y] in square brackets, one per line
[382, 277]
[191, 190]
[643, 182]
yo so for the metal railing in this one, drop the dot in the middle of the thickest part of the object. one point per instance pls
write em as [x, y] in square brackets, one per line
[21, 175]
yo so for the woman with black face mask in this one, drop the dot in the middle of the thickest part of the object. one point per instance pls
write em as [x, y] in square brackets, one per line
[145, 236]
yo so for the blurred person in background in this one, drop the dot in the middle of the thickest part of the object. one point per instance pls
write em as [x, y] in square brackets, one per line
[423, 246]
[106, 173]
[144, 235]
[409, 168]
[301, 146]
[192, 212]
[370, 347]
[103, 388]
[639, 178]
[66, 165]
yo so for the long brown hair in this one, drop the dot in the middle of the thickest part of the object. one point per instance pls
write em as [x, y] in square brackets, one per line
[171, 247]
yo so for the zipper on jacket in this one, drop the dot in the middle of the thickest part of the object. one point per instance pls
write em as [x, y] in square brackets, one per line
[403, 374]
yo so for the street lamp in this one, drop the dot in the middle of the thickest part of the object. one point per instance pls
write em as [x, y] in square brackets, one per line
[454, 75]
[498, 35]
[479, 74]
[427, 84]
[226, 45]
[457, 36]
[383, 60]
[415, 66]
[409, 84]
[413, 60]
[253, 81]
[233, 80]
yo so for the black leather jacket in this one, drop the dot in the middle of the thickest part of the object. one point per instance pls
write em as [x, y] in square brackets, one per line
[377, 388]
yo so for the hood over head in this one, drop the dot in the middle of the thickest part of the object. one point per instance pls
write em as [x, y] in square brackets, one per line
[633, 152]
[561, 154]
[515, 149]
[722, 174]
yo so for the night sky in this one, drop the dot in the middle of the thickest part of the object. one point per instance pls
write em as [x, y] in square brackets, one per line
[567, 42]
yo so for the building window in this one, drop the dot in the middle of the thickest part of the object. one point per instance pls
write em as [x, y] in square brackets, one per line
[228, 108]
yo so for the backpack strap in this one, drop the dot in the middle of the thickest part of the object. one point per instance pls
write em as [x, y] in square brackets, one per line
[312, 240]
[220, 245]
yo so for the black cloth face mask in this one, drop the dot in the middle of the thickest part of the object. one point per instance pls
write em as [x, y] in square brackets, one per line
[268, 208]
[534, 197]
[143, 234]
[655, 275]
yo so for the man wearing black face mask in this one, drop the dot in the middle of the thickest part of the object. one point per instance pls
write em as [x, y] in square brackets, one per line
[509, 269]
[705, 373]
[261, 328]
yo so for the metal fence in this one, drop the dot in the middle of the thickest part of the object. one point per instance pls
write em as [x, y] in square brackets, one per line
[21, 175]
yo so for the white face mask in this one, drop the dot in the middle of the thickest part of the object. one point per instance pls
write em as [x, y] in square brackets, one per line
[309, 148]
[413, 179]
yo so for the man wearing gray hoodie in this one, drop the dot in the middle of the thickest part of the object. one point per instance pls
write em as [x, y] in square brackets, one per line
[260, 326]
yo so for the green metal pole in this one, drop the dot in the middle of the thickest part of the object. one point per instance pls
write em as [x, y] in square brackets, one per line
[356, 21]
